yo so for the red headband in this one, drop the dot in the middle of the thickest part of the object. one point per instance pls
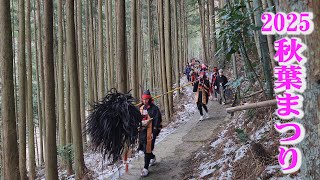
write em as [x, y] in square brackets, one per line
[146, 96]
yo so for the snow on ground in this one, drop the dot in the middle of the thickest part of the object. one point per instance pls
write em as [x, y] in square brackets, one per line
[103, 169]
[93, 160]
[225, 151]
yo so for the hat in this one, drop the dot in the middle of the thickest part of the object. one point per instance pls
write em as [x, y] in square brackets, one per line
[146, 95]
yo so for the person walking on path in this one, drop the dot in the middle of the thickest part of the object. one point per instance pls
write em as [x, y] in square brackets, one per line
[187, 72]
[151, 127]
[221, 80]
[201, 87]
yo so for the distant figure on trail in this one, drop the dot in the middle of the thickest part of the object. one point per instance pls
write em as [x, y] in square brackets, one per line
[194, 74]
[151, 127]
[187, 72]
[213, 80]
[201, 87]
[221, 80]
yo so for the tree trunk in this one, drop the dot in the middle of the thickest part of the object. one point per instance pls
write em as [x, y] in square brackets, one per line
[62, 130]
[40, 157]
[121, 48]
[177, 69]
[182, 47]
[39, 152]
[108, 28]
[207, 25]
[81, 71]
[93, 86]
[68, 122]
[255, 33]
[139, 45]
[101, 52]
[167, 40]
[213, 32]
[42, 89]
[151, 60]
[203, 36]
[111, 44]
[311, 121]
[31, 148]
[271, 39]
[264, 51]
[88, 57]
[51, 146]
[22, 93]
[134, 74]
[10, 146]
[162, 58]
[74, 92]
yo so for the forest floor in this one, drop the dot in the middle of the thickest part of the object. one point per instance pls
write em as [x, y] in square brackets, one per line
[173, 153]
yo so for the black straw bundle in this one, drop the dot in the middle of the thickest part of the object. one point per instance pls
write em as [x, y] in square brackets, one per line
[113, 124]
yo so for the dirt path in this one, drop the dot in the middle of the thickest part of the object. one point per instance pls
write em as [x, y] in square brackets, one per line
[174, 151]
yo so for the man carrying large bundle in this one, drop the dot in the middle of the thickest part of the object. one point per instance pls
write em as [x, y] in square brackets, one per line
[151, 127]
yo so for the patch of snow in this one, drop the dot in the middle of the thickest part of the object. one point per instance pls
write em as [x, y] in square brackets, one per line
[258, 134]
[286, 178]
[240, 153]
[229, 147]
[272, 169]
[226, 175]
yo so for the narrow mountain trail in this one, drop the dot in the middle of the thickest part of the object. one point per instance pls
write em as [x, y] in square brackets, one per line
[174, 151]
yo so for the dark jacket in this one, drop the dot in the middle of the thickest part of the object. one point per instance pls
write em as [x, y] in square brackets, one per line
[149, 133]
[202, 85]
[221, 79]
[187, 70]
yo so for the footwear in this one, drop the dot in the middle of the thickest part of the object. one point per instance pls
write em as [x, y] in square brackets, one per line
[144, 172]
[206, 115]
[152, 161]
[201, 118]
[223, 103]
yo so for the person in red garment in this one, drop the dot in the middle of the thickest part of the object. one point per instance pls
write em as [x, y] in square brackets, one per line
[151, 127]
